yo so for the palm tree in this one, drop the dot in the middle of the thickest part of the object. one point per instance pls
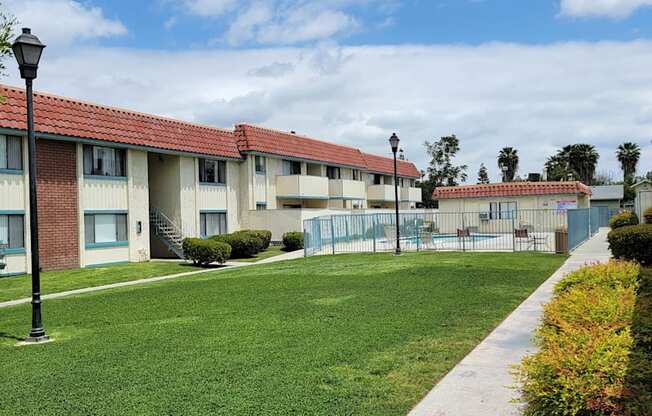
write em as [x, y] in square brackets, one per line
[583, 159]
[483, 174]
[508, 163]
[628, 154]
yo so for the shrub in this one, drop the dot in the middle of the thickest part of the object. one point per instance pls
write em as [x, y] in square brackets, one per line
[632, 243]
[260, 241]
[647, 215]
[204, 252]
[588, 356]
[243, 244]
[293, 240]
[622, 219]
[264, 235]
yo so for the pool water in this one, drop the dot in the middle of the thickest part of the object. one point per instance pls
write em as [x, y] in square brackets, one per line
[454, 238]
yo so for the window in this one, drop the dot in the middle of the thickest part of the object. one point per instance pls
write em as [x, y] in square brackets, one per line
[377, 179]
[291, 167]
[260, 164]
[261, 206]
[212, 223]
[12, 231]
[212, 171]
[105, 228]
[104, 161]
[11, 153]
[333, 172]
[502, 210]
[355, 174]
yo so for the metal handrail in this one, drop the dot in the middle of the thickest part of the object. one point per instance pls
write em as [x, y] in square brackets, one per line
[165, 220]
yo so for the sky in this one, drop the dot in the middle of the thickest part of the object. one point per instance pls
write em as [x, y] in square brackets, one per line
[535, 75]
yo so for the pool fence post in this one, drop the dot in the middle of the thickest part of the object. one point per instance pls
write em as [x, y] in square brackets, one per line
[374, 221]
[333, 234]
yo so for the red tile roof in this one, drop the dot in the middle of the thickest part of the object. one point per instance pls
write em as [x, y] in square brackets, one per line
[381, 164]
[264, 140]
[510, 189]
[63, 116]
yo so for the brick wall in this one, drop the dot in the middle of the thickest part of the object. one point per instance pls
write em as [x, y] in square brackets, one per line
[56, 164]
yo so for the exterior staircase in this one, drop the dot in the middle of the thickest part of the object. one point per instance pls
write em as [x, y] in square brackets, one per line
[167, 231]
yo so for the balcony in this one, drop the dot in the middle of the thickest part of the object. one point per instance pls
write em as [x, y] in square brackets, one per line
[411, 194]
[346, 189]
[381, 193]
[301, 187]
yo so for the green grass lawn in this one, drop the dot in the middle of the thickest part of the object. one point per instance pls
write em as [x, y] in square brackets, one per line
[345, 335]
[272, 251]
[16, 287]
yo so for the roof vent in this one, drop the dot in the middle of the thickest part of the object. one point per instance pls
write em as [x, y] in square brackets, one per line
[293, 132]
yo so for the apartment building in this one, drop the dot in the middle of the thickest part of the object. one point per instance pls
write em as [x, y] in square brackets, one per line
[118, 186]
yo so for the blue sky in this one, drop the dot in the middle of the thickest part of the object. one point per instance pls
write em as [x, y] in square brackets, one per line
[533, 74]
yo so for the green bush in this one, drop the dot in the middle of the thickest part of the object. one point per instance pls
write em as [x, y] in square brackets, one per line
[293, 240]
[243, 244]
[623, 219]
[203, 252]
[587, 358]
[647, 215]
[632, 243]
[264, 235]
[260, 241]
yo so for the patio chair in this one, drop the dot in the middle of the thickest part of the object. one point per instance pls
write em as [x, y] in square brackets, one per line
[522, 236]
[463, 235]
[426, 241]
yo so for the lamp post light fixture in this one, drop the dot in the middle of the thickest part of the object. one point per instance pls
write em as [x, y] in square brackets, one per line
[27, 49]
[394, 141]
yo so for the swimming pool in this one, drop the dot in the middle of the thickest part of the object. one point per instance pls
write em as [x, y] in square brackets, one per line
[453, 238]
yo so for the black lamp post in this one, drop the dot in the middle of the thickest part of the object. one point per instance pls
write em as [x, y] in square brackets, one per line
[393, 141]
[27, 50]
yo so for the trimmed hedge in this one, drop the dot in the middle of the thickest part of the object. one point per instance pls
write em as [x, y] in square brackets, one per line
[589, 361]
[623, 219]
[243, 244]
[203, 252]
[632, 243]
[647, 215]
[264, 235]
[293, 240]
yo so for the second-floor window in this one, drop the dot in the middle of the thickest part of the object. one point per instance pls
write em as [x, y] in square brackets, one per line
[260, 164]
[377, 179]
[212, 171]
[104, 161]
[333, 172]
[11, 153]
[291, 167]
[355, 175]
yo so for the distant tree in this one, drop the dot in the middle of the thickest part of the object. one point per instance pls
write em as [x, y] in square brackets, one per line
[508, 157]
[628, 155]
[483, 174]
[648, 176]
[573, 162]
[441, 170]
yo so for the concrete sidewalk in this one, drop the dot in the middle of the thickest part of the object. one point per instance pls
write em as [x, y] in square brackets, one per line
[480, 384]
[228, 266]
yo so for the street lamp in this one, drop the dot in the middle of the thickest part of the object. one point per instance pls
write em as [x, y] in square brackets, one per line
[27, 50]
[393, 141]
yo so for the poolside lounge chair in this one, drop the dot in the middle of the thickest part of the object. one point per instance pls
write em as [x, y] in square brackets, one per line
[426, 242]
[522, 236]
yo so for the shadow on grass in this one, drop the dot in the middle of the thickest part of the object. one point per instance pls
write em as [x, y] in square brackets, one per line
[4, 335]
[638, 381]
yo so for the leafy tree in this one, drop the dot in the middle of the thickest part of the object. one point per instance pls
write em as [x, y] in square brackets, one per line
[558, 168]
[7, 23]
[483, 175]
[628, 155]
[648, 176]
[508, 157]
[441, 170]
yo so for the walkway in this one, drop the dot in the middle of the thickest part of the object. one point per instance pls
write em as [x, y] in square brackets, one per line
[228, 266]
[480, 384]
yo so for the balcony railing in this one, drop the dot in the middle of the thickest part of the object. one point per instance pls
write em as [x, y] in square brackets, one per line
[411, 194]
[301, 187]
[381, 192]
[347, 189]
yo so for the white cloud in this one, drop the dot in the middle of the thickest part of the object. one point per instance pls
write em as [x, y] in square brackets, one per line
[207, 8]
[616, 9]
[61, 22]
[535, 98]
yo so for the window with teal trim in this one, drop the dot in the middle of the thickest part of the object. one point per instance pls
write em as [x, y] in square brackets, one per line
[104, 161]
[11, 153]
[105, 229]
[212, 171]
[12, 231]
[212, 223]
